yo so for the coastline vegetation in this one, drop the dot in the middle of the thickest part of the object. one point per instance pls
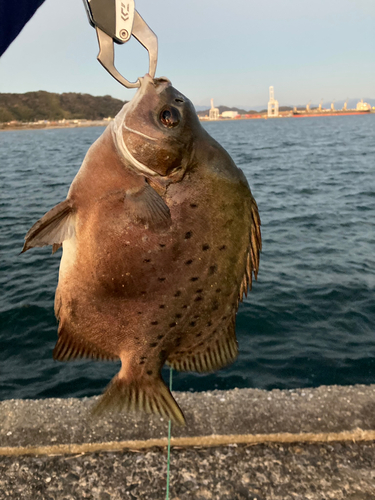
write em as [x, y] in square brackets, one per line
[42, 105]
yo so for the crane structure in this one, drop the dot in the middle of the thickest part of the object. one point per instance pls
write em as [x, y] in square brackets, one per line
[320, 105]
[308, 107]
[273, 105]
[345, 107]
[213, 114]
[333, 105]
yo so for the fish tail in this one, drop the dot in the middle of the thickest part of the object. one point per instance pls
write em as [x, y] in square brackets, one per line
[149, 396]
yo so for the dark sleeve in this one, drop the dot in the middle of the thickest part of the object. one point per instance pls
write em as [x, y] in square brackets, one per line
[14, 14]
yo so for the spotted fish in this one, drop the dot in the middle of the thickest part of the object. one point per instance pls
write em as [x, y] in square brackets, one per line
[161, 238]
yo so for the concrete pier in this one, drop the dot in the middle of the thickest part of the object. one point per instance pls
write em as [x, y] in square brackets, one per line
[240, 444]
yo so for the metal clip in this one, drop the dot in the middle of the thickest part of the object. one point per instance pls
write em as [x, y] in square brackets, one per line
[116, 21]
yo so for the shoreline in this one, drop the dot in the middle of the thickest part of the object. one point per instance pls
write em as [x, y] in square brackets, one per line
[105, 123]
[28, 126]
[243, 443]
[322, 414]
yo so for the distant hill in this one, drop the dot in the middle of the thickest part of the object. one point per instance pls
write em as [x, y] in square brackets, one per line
[41, 105]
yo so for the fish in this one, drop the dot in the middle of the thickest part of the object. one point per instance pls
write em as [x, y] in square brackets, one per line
[160, 239]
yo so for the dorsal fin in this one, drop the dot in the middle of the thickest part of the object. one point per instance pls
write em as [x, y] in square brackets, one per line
[216, 354]
[52, 229]
[252, 257]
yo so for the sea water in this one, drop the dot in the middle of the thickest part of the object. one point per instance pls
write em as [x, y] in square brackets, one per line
[310, 318]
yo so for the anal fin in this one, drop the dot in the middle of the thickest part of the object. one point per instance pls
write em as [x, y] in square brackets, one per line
[52, 229]
[68, 348]
[149, 396]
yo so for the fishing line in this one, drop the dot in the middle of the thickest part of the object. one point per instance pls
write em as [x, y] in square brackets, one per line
[169, 439]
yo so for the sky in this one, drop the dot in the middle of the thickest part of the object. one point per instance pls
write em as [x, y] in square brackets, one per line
[229, 51]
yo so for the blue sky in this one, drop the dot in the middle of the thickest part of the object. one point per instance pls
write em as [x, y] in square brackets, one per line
[231, 51]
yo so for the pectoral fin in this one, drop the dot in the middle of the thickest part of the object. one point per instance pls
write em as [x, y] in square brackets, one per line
[53, 228]
[146, 206]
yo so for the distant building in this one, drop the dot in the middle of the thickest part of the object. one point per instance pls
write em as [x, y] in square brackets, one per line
[363, 106]
[229, 114]
[273, 105]
[214, 112]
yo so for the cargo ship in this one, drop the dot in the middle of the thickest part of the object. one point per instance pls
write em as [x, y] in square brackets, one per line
[362, 108]
[328, 112]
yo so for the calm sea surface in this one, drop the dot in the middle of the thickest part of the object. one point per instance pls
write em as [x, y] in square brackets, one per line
[310, 319]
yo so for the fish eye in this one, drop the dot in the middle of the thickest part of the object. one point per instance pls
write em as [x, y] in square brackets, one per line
[170, 117]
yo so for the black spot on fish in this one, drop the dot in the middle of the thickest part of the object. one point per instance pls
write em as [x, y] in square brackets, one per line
[200, 344]
[178, 315]
[153, 344]
[224, 317]
[196, 316]
[178, 293]
[209, 323]
[205, 247]
[142, 362]
[223, 247]
[172, 325]
[139, 312]
[193, 205]
[199, 334]
[198, 299]
[149, 372]
[160, 336]
[154, 322]
[143, 293]
[178, 341]
[215, 306]
[147, 260]
[162, 306]
[163, 354]
[195, 278]
[161, 279]
[184, 306]
[143, 357]
[188, 262]
[188, 235]
[162, 245]
[212, 269]
[192, 323]
[218, 290]
[200, 290]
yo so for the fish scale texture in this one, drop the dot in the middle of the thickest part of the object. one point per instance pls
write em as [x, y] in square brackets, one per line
[262, 472]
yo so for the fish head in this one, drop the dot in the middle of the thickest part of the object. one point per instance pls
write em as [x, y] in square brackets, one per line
[154, 133]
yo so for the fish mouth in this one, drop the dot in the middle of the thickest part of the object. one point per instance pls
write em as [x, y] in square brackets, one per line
[160, 84]
[119, 123]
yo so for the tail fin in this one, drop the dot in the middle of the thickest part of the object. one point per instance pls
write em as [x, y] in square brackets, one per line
[150, 396]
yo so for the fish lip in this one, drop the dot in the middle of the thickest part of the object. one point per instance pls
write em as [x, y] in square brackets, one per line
[119, 124]
[161, 84]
